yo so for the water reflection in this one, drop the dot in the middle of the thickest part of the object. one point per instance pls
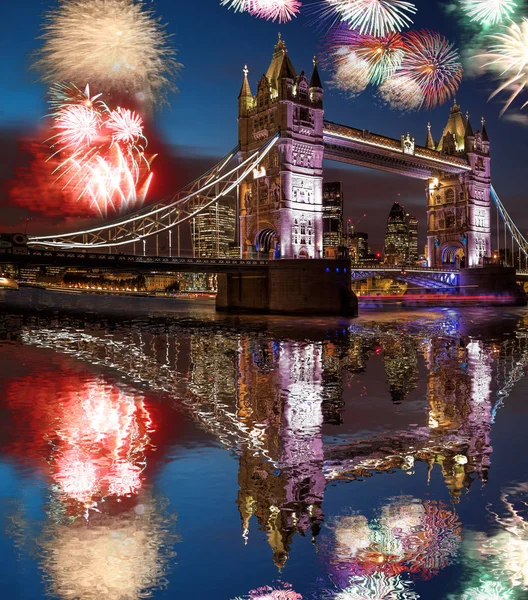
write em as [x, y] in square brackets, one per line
[299, 414]
[407, 536]
[105, 536]
[498, 561]
[112, 556]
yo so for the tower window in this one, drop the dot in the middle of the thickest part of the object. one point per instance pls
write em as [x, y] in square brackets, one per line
[304, 114]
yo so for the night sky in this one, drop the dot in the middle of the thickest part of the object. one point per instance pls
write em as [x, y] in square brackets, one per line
[213, 44]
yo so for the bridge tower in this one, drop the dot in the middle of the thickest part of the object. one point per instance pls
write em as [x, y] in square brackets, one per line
[458, 206]
[281, 203]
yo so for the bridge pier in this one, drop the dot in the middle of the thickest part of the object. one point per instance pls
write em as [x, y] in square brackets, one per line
[495, 281]
[293, 287]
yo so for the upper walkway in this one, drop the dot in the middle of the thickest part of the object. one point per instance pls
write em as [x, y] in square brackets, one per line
[366, 149]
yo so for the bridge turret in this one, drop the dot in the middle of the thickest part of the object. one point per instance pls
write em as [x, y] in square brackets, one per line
[316, 87]
[458, 215]
[245, 98]
[281, 211]
[452, 140]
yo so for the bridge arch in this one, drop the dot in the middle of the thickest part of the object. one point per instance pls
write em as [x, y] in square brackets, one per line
[265, 240]
[453, 253]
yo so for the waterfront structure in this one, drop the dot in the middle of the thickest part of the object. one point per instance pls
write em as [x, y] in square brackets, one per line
[281, 206]
[276, 172]
[332, 215]
[213, 230]
[459, 207]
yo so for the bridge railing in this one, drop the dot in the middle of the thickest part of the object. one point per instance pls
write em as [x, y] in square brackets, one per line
[130, 258]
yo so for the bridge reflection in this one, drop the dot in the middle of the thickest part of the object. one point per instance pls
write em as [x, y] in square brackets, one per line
[276, 403]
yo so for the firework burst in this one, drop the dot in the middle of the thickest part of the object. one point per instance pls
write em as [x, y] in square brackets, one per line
[101, 151]
[489, 11]
[119, 46]
[383, 55]
[276, 10]
[372, 17]
[431, 65]
[508, 58]
[271, 10]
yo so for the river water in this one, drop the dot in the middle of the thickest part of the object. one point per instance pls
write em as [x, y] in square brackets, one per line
[197, 456]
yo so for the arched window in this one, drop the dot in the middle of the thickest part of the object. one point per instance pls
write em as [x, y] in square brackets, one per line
[449, 196]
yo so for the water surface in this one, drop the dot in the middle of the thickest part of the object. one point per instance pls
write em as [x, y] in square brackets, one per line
[189, 455]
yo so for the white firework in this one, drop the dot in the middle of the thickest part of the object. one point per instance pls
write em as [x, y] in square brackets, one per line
[377, 587]
[489, 11]
[118, 46]
[508, 59]
[373, 17]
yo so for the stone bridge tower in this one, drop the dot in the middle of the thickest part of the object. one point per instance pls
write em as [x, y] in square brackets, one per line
[458, 206]
[281, 203]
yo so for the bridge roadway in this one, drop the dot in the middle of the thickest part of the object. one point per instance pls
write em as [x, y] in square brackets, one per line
[430, 277]
[127, 262]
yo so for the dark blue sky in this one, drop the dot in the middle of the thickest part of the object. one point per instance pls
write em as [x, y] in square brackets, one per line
[214, 43]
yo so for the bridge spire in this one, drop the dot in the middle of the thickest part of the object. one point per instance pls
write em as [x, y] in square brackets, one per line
[430, 142]
[245, 98]
[315, 81]
[485, 137]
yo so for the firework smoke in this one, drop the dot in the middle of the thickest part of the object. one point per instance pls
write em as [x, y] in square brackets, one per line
[351, 74]
[508, 58]
[118, 46]
[372, 17]
[401, 94]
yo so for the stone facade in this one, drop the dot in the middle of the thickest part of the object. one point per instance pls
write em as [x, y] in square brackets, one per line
[281, 204]
[458, 206]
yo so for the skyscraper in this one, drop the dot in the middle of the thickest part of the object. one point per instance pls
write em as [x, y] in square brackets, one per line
[332, 214]
[213, 230]
[413, 238]
[397, 236]
[358, 246]
[401, 237]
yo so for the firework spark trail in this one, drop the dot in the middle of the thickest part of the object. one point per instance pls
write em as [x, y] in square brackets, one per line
[271, 10]
[431, 63]
[373, 17]
[382, 54]
[101, 150]
[508, 58]
[276, 10]
[119, 46]
[489, 11]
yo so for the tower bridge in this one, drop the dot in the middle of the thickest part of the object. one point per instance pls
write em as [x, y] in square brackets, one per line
[276, 174]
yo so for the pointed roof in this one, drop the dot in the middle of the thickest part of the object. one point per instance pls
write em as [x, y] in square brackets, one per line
[245, 90]
[469, 129]
[429, 142]
[315, 81]
[281, 65]
[456, 125]
[485, 137]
